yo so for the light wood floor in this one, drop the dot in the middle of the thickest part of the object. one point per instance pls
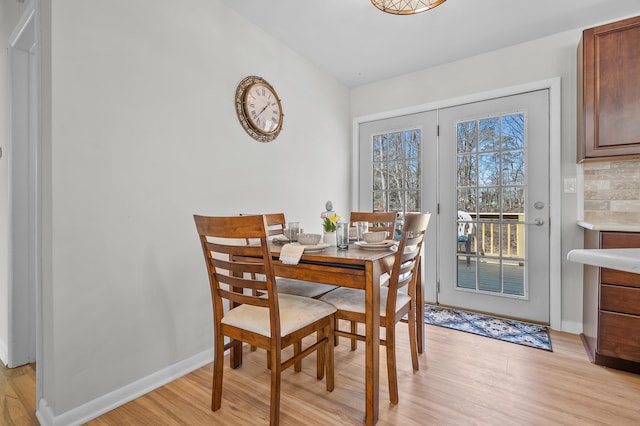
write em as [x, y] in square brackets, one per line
[18, 395]
[464, 380]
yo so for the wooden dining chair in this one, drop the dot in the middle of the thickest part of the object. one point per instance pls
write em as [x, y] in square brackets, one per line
[378, 221]
[394, 305]
[236, 250]
[276, 224]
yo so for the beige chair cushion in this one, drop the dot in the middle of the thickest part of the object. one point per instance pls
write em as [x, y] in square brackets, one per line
[353, 300]
[295, 313]
[302, 288]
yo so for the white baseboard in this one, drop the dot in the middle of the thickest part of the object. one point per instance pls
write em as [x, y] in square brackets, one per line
[118, 397]
[572, 327]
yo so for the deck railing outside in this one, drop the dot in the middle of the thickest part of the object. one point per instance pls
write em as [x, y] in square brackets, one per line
[488, 240]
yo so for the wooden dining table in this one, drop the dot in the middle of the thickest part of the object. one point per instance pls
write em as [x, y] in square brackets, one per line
[354, 268]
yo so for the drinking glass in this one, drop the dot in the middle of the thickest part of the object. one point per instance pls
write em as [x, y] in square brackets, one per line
[361, 228]
[342, 235]
[294, 230]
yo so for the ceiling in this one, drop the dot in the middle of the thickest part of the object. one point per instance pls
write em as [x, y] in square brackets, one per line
[358, 44]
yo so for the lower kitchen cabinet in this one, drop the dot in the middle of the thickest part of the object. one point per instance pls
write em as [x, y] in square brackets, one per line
[611, 310]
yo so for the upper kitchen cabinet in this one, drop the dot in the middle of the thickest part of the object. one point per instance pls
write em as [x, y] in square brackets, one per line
[609, 90]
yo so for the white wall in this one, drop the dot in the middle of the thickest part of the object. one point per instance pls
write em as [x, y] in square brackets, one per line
[144, 135]
[549, 57]
[10, 14]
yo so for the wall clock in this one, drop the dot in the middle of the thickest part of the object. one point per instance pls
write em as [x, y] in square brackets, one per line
[259, 109]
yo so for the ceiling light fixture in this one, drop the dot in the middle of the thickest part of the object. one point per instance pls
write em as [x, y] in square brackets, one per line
[405, 7]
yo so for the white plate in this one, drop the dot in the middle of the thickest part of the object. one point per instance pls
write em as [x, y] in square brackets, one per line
[312, 247]
[280, 239]
[376, 246]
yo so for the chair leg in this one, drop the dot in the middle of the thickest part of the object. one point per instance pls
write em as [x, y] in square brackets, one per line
[329, 359]
[354, 330]
[413, 337]
[276, 370]
[297, 348]
[218, 368]
[320, 352]
[336, 326]
[392, 374]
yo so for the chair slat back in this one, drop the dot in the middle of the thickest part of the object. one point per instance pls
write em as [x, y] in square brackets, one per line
[236, 251]
[378, 221]
[407, 260]
[275, 223]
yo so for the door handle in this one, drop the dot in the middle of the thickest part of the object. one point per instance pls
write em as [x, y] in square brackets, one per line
[537, 222]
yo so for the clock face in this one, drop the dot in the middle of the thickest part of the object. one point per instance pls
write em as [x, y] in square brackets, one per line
[259, 109]
[262, 108]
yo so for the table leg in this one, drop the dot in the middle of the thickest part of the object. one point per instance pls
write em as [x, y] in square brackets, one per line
[372, 325]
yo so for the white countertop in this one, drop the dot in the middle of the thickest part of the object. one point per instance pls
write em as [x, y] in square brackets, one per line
[616, 227]
[627, 259]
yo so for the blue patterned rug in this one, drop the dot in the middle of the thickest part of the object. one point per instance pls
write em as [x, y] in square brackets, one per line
[535, 336]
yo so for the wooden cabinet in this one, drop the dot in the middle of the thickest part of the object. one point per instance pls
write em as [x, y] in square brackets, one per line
[611, 311]
[609, 90]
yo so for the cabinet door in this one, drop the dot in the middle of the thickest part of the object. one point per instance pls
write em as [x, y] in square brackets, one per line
[609, 82]
[620, 336]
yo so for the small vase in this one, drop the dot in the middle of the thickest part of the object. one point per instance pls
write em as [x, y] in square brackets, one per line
[330, 238]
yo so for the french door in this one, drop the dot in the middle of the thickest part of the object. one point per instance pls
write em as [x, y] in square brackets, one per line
[494, 206]
[483, 174]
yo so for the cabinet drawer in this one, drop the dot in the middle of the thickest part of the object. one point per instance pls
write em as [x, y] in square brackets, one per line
[620, 299]
[612, 276]
[619, 240]
[614, 240]
[620, 336]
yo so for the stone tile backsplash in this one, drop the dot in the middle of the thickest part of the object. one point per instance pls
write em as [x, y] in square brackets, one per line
[612, 192]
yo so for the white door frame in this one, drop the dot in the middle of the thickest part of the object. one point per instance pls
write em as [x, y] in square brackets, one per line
[25, 207]
[553, 84]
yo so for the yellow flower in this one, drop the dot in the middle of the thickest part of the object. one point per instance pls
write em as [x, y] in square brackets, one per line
[329, 222]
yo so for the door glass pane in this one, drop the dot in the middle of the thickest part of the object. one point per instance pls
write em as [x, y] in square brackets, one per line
[513, 167]
[467, 137]
[380, 176]
[489, 135]
[490, 200]
[466, 170]
[513, 131]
